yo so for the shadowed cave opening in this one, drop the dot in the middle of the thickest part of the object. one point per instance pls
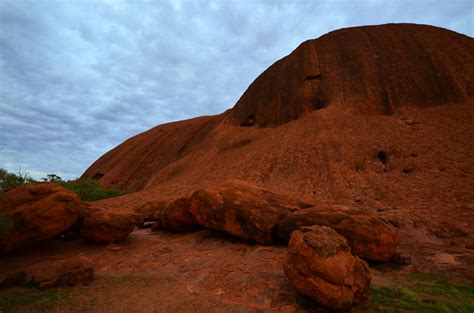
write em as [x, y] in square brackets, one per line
[382, 156]
[249, 121]
[313, 77]
[98, 176]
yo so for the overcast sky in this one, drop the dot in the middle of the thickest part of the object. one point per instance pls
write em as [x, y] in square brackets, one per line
[79, 77]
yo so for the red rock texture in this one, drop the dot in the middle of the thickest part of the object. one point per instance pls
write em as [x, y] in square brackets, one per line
[176, 217]
[36, 212]
[370, 237]
[320, 265]
[74, 272]
[69, 273]
[363, 70]
[107, 227]
[242, 209]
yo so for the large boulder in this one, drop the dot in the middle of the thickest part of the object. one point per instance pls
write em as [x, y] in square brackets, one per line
[151, 210]
[370, 237]
[108, 226]
[176, 217]
[243, 210]
[320, 265]
[36, 212]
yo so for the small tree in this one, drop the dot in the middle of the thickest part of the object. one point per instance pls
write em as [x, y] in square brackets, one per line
[52, 178]
[9, 180]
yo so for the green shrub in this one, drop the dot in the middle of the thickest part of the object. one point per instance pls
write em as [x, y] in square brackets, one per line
[9, 180]
[90, 190]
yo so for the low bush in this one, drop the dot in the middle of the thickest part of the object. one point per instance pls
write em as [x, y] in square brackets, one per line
[88, 189]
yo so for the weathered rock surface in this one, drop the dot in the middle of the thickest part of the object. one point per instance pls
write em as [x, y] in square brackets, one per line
[176, 217]
[242, 209]
[320, 265]
[151, 210]
[69, 273]
[36, 212]
[370, 237]
[380, 70]
[108, 226]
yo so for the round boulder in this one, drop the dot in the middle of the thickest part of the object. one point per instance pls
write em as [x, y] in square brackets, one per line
[108, 226]
[36, 212]
[370, 237]
[320, 265]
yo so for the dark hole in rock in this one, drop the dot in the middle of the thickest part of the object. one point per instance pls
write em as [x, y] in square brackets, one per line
[408, 170]
[249, 121]
[98, 176]
[359, 167]
[312, 77]
[382, 157]
[319, 104]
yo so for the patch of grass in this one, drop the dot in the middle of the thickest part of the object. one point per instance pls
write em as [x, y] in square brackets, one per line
[29, 299]
[424, 293]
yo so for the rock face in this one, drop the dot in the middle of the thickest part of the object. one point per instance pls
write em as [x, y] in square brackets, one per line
[369, 70]
[36, 212]
[107, 227]
[176, 217]
[320, 265]
[242, 210]
[370, 237]
[362, 70]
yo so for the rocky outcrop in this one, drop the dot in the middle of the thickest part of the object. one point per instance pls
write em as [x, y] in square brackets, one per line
[320, 265]
[36, 212]
[176, 217]
[370, 237]
[108, 226]
[242, 209]
[379, 70]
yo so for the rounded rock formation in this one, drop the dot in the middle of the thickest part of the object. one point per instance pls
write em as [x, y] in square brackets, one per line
[373, 70]
[36, 212]
[176, 217]
[242, 209]
[320, 265]
[107, 227]
[370, 237]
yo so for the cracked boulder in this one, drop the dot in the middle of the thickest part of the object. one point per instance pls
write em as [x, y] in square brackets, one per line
[320, 265]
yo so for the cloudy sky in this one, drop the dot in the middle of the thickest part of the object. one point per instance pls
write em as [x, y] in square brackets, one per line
[78, 77]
